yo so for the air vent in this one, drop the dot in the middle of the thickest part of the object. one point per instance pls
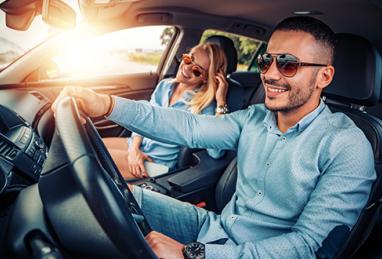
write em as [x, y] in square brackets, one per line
[4, 148]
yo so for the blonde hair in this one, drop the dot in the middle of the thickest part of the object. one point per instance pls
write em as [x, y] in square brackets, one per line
[218, 64]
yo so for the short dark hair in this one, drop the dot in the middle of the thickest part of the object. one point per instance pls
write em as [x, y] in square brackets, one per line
[321, 32]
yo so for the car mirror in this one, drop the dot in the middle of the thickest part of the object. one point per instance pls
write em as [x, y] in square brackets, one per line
[19, 14]
[107, 3]
[58, 14]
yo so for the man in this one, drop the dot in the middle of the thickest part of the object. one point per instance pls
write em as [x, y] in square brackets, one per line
[302, 170]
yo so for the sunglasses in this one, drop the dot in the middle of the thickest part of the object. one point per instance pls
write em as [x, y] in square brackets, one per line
[195, 69]
[286, 64]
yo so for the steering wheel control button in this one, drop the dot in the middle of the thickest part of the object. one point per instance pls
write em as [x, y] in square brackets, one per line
[12, 154]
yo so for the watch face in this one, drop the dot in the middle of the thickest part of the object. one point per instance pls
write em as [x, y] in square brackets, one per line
[195, 250]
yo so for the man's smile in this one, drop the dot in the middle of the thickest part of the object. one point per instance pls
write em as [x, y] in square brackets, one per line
[273, 91]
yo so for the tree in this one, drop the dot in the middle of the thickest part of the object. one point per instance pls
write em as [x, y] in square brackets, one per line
[245, 47]
[166, 35]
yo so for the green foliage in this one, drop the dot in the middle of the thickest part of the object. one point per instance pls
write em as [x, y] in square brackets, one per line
[167, 34]
[151, 58]
[245, 47]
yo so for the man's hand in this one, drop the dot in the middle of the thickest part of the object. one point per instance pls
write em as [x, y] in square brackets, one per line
[164, 246]
[91, 103]
[136, 160]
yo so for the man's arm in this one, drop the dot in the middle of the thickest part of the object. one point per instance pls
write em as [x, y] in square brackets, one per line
[179, 127]
[339, 197]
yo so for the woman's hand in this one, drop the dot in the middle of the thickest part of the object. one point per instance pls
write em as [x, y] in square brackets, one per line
[92, 103]
[136, 159]
[222, 89]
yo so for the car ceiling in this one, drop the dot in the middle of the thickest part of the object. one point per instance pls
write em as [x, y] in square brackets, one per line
[361, 17]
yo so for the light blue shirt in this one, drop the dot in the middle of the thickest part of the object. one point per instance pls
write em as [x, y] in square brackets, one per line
[165, 153]
[292, 189]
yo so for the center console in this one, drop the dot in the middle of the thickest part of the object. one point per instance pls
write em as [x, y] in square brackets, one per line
[187, 183]
[22, 151]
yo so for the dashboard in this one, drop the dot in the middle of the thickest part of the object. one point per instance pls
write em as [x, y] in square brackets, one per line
[23, 149]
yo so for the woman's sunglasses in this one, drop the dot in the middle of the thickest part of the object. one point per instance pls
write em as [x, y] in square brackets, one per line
[195, 69]
[286, 64]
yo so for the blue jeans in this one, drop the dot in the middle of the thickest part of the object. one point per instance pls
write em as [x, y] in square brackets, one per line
[179, 220]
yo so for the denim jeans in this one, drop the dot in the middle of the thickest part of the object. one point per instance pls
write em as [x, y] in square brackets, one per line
[179, 220]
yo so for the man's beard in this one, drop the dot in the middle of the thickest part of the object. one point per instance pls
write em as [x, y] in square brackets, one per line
[297, 96]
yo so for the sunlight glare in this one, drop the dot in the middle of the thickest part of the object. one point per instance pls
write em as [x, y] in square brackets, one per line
[83, 55]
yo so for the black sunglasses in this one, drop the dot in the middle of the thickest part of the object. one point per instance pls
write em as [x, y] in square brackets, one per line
[286, 64]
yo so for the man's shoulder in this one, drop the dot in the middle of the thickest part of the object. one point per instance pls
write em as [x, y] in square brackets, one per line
[253, 114]
[342, 130]
[339, 122]
[257, 110]
[345, 145]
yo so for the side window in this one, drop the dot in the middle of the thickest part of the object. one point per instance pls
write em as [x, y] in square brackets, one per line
[246, 47]
[253, 67]
[134, 50]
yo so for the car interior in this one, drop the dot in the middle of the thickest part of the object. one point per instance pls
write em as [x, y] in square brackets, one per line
[60, 192]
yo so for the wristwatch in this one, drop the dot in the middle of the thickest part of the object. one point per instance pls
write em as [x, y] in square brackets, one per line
[194, 250]
[222, 109]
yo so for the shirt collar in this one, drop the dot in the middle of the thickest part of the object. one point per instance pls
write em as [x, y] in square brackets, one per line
[270, 120]
[187, 95]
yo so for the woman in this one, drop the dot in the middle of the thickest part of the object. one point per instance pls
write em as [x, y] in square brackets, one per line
[199, 86]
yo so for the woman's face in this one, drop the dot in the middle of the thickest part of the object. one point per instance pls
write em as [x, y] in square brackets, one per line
[196, 72]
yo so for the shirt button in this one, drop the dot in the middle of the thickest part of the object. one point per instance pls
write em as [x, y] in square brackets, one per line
[268, 164]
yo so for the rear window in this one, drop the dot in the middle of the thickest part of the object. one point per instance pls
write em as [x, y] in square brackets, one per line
[246, 47]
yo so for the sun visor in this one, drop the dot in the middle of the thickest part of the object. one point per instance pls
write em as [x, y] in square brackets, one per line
[100, 10]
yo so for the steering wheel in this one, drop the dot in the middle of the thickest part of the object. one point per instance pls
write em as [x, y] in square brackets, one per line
[101, 184]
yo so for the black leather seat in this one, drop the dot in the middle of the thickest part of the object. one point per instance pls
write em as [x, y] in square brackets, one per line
[238, 96]
[357, 83]
[377, 109]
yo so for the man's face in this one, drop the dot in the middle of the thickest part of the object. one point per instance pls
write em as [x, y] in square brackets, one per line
[289, 93]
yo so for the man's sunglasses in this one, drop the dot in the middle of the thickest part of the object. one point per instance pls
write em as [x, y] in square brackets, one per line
[195, 69]
[286, 64]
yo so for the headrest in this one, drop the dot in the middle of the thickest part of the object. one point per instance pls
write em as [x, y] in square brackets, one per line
[229, 49]
[357, 78]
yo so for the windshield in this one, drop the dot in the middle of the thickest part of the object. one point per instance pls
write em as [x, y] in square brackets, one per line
[14, 43]
[84, 51]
